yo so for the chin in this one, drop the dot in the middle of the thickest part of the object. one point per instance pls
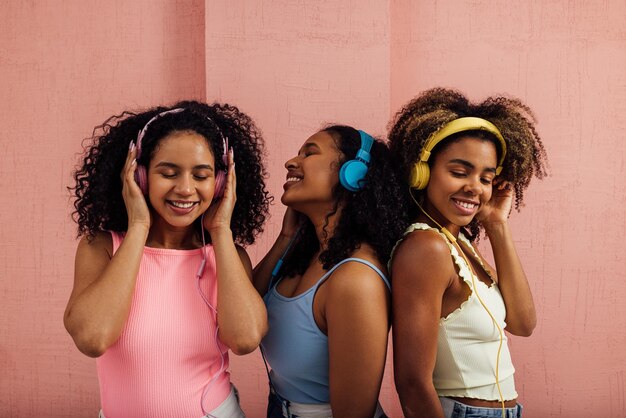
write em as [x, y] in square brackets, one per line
[285, 200]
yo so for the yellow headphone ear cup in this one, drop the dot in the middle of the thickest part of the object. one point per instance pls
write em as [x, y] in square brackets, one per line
[419, 176]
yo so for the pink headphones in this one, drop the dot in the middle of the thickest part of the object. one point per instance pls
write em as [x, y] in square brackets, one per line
[141, 173]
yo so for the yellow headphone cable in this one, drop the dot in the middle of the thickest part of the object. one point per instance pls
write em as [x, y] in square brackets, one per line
[452, 239]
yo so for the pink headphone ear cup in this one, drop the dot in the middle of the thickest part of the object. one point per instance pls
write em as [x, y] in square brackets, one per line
[141, 177]
[220, 178]
[220, 184]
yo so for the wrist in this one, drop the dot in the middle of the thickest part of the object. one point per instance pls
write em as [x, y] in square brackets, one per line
[495, 227]
[138, 228]
[220, 232]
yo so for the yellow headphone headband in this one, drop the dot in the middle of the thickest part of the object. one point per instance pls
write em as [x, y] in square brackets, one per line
[461, 125]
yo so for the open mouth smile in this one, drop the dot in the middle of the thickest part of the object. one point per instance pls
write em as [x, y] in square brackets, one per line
[181, 207]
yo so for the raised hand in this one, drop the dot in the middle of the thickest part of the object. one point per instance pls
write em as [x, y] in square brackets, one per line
[497, 210]
[219, 214]
[292, 220]
[136, 206]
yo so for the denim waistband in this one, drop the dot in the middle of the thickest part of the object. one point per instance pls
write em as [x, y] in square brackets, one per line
[300, 410]
[455, 409]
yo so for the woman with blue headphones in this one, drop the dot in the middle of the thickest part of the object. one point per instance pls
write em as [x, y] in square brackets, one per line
[466, 165]
[324, 281]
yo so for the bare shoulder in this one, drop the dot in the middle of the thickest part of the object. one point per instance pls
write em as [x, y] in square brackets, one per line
[243, 254]
[423, 255]
[245, 259]
[92, 256]
[98, 246]
[357, 279]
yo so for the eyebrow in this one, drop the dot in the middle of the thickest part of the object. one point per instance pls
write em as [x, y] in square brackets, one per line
[309, 145]
[468, 164]
[168, 164]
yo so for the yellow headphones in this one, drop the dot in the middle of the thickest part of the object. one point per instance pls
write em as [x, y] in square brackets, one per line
[420, 172]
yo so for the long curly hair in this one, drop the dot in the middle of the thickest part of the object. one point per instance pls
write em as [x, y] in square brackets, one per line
[97, 192]
[428, 112]
[376, 215]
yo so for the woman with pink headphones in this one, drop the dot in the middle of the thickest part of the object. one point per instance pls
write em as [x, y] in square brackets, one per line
[162, 284]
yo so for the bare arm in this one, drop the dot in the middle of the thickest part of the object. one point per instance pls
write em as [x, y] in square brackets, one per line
[421, 272]
[242, 317]
[521, 317]
[357, 319]
[262, 273]
[104, 284]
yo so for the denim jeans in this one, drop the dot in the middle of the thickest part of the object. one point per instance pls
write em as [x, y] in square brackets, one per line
[229, 408]
[454, 409]
[275, 408]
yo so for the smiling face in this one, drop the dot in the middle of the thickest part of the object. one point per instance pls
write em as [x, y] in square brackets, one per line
[181, 179]
[312, 175]
[461, 178]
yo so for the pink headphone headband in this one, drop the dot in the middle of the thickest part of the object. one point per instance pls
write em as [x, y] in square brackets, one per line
[141, 174]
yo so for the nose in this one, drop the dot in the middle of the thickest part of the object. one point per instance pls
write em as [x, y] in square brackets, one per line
[184, 186]
[473, 185]
[292, 163]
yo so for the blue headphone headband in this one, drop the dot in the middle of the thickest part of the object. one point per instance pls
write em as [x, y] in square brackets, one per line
[352, 173]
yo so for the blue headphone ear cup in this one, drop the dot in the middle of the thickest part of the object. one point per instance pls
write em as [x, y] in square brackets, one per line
[351, 175]
[419, 176]
[141, 178]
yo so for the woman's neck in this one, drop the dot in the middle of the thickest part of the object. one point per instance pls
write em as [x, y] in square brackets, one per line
[430, 216]
[324, 221]
[167, 236]
[325, 225]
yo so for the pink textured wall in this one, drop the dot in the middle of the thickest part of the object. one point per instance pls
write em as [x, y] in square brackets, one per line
[65, 66]
[294, 66]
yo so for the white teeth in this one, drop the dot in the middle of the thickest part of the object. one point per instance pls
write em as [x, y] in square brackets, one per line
[293, 179]
[183, 205]
[466, 205]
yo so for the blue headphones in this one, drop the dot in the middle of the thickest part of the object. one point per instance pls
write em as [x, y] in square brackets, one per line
[353, 172]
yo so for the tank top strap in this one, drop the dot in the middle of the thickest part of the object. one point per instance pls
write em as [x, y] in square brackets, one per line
[117, 240]
[358, 260]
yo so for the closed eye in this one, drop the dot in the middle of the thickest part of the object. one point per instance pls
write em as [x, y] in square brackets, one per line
[308, 149]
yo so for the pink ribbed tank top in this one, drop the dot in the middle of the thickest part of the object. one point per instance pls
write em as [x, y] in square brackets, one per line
[167, 352]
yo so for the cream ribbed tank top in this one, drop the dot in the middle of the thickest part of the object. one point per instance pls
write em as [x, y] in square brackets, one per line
[167, 351]
[468, 340]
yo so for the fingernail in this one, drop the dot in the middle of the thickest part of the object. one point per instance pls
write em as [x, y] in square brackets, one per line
[130, 146]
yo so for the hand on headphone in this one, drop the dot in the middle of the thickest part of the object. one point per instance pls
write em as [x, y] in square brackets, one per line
[221, 210]
[136, 206]
[497, 210]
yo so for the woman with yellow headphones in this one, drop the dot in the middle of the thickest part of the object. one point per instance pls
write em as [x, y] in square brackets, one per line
[466, 164]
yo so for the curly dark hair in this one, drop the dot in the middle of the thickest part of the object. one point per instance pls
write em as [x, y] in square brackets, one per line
[376, 215]
[428, 112]
[97, 193]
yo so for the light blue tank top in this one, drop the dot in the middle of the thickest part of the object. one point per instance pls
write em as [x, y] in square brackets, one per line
[295, 348]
